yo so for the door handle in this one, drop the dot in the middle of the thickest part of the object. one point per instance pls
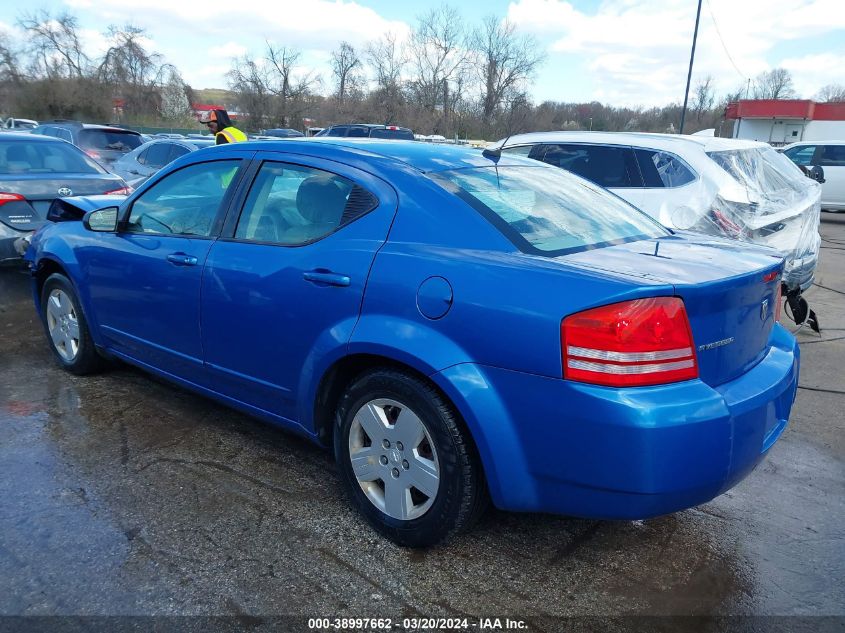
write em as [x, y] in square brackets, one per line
[181, 259]
[323, 277]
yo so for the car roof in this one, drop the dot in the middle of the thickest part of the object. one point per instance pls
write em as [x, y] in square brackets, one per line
[424, 157]
[398, 127]
[668, 142]
[803, 143]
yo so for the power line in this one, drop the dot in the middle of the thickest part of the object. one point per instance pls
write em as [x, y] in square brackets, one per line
[719, 33]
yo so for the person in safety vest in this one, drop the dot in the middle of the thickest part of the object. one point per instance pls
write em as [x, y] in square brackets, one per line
[220, 125]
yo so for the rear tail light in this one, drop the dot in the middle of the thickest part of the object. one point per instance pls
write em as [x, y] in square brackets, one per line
[629, 344]
[123, 191]
[10, 197]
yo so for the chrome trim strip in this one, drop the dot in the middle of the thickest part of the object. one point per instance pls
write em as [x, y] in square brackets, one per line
[601, 368]
[628, 357]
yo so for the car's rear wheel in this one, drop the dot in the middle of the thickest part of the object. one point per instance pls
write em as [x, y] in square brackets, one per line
[66, 326]
[405, 460]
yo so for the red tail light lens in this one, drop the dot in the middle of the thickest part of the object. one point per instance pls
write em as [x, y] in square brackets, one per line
[629, 344]
[123, 191]
[10, 197]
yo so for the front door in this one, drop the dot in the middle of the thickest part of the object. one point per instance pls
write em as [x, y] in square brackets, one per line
[287, 284]
[145, 285]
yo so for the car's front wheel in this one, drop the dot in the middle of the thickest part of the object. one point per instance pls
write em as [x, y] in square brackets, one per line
[66, 326]
[405, 460]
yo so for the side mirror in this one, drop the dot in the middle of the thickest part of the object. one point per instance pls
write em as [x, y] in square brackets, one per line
[101, 220]
[817, 174]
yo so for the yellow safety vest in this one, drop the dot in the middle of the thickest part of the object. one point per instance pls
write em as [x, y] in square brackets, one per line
[232, 134]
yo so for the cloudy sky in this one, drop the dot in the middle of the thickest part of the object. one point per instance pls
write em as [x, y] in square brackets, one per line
[624, 52]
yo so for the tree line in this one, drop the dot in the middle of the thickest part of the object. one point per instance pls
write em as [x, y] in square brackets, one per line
[444, 77]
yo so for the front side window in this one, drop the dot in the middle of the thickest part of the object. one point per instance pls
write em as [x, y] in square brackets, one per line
[185, 202]
[519, 150]
[338, 130]
[158, 155]
[292, 204]
[832, 156]
[662, 170]
[549, 211]
[802, 156]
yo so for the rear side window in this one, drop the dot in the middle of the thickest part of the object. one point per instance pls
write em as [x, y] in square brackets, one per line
[519, 150]
[549, 211]
[397, 134]
[176, 151]
[661, 169]
[605, 165]
[109, 139]
[832, 156]
[358, 132]
[338, 130]
[801, 155]
[293, 205]
[45, 158]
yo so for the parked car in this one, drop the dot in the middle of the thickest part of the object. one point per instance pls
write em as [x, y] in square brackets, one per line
[454, 325]
[145, 160]
[368, 130]
[101, 142]
[34, 171]
[830, 156]
[168, 135]
[18, 125]
[285, 132]
[743, 190]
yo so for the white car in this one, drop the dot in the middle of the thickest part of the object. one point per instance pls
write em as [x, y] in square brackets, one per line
[830, 156]
[18, 125]
[740, 189]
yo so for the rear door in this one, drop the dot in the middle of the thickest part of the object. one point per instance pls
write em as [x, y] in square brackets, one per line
[286, 281]
[144, 280]
[671, 189]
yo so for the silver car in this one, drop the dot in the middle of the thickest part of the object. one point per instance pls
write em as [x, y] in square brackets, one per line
[142, 162]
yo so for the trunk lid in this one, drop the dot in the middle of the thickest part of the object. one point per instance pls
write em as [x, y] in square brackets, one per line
[731, 307]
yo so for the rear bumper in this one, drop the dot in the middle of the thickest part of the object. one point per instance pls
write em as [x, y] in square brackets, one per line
[551, 445]
[12, 248]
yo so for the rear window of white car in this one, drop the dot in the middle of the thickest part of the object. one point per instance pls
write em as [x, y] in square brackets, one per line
[549, 211]
[762, 169]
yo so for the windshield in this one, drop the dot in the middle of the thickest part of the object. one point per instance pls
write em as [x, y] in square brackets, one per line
[36, 157]
[109, 139]
[397, 134]
[549, 211]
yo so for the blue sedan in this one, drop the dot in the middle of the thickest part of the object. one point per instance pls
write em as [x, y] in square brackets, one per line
[458, 326]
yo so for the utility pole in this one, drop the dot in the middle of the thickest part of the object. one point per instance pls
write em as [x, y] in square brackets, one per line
[689, 74]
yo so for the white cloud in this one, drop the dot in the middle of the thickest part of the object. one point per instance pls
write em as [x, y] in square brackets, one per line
[227, 50]
[812, 72]
[638, 52]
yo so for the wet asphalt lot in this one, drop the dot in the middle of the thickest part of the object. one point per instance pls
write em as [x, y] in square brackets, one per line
[122, 495]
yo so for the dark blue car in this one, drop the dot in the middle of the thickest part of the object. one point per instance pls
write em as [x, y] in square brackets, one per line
[458, 326]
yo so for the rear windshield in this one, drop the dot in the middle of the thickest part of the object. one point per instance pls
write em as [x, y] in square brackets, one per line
[45, 158]
[400, 134]
[549, 211]
[763, 170]
[109, 139]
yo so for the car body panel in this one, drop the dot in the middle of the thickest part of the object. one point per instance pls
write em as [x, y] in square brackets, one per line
[486, 332]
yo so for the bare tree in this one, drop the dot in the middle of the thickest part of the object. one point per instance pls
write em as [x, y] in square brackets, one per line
[345, 66]
[507, 61]
[292, 89]
[134, 73]
[831, 93]
[387, 60]
[55, 45]
[703, 96]
[775, 84]
[438, 51]
[10, 70]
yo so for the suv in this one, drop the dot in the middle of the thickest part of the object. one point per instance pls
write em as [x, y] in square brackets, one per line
[101, 142]
[369, 130]
[830, 156]
[743, 190]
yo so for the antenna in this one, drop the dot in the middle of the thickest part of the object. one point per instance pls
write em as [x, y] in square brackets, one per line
[496, 153]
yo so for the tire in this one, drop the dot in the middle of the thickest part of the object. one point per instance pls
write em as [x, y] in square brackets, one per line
[66, 327]
[383, 483]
